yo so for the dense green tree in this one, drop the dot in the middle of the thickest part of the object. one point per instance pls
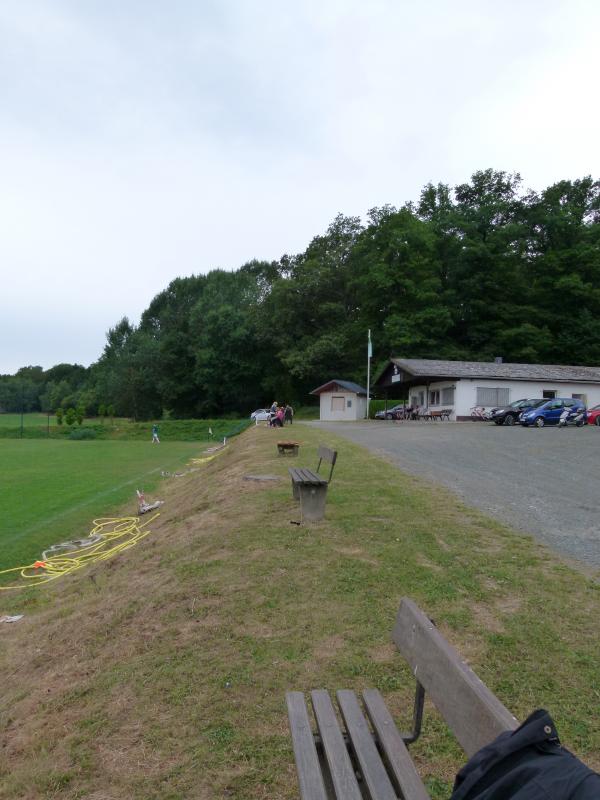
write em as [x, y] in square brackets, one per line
[223, 336]
[166, 323]
[470, 272]
[127, 373]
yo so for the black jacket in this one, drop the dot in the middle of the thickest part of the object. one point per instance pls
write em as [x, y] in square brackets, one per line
[527, 764]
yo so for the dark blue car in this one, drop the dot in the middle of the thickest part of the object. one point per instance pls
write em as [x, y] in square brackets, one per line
[549, 413]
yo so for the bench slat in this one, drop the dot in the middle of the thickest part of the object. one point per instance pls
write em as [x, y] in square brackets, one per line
[371, 766]
[402, 766]
[305, 752]
[304, 475]
[338, 760]
[472, 712]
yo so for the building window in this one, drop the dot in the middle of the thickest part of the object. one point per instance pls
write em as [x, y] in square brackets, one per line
[434, 397]
[349, 403]
[338, 403]
[549, 394]
[448, 396]
[499, 396]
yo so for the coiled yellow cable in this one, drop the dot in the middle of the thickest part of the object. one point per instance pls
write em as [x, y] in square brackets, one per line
[111, 536]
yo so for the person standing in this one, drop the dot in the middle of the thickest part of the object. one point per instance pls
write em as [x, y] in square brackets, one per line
[155, 434]
[289, 413]
[272, 412]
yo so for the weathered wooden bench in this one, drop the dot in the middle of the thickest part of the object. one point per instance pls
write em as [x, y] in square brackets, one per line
[367, 757]
[310, 488]
[291, 448]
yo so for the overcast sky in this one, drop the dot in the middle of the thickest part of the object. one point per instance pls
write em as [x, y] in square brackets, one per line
[144, 140]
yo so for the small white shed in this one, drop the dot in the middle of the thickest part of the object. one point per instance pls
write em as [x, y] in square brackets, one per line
[342, 401]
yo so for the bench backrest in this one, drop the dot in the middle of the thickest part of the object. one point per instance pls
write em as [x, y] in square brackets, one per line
[470, 709]
[326, 454]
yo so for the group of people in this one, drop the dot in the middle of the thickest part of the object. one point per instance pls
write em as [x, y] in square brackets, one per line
[280, 415]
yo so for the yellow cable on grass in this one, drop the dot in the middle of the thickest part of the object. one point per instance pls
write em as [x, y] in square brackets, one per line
[110, 535]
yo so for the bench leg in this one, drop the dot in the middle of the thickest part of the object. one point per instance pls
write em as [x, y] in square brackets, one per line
[295, 491]
[312, 502]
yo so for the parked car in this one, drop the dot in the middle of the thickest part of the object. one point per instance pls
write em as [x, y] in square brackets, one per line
[549, 412]
[593, 416]
[395, 412]
[508, 415]
[261, 415]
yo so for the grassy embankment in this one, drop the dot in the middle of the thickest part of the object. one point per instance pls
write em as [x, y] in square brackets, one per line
[164, 675]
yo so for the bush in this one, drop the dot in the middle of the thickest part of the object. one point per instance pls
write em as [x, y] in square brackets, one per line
[82, 433]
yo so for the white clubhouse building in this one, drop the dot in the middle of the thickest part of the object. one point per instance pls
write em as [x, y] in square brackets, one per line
[460, 385]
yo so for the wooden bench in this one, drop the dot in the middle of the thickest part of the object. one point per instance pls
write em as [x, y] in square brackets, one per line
[367, 757]
[310, 488]
[442, 414]
[290, 448]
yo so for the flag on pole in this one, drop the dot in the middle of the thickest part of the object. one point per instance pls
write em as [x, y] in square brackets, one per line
[369, 357]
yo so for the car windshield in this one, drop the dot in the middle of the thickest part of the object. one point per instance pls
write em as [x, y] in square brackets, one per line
[595, 408]
[518, 403]
[535, 403]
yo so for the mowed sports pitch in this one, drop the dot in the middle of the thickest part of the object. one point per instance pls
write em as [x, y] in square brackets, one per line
[51, 491]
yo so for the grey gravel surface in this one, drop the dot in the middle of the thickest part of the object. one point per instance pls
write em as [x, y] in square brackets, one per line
[541, 481]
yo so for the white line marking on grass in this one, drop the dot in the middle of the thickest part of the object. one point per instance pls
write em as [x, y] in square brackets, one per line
[49, 520]
[105, 492]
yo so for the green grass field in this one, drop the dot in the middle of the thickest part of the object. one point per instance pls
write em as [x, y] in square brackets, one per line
[29, 420]
[38, 426]
[52, 490]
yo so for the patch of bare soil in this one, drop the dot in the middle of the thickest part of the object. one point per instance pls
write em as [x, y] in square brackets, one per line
[423, 561]
[327, 648]
[358, 553]
[386, 653]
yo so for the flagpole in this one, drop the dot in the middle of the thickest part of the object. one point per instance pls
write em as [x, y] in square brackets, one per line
[369, 355]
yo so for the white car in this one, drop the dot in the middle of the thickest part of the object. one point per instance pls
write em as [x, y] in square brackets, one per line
[261, 415]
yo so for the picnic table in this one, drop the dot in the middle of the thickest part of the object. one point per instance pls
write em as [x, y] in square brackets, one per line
[288, 448]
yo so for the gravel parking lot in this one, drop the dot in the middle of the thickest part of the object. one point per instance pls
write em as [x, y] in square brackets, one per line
[542, 481]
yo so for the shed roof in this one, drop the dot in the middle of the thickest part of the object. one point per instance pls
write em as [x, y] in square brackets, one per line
[349, 386]
[482, 369]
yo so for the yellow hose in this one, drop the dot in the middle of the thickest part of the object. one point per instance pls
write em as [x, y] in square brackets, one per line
[112, 535]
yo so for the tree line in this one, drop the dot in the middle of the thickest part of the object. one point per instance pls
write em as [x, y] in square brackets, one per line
[480, 270]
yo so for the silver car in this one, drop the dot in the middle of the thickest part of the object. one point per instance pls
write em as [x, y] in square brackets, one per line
[261, 415]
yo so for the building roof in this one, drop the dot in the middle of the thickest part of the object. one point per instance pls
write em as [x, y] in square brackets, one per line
[349, 386]
[482, 369]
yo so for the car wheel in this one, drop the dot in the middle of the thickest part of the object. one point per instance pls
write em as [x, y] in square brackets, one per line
[579, 424]
[540, 422]
[389, 416]
[597, 421]
[509, 419]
